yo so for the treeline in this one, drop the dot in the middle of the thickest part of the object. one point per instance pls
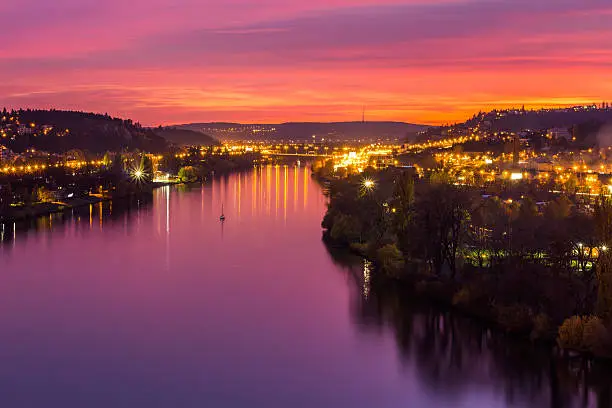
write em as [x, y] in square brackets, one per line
[448, 351]
[549, 119]
[197, 164]
[92, 132]
[527, 268]
[584, 124]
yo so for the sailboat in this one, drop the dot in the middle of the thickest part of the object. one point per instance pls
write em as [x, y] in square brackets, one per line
[222, 217]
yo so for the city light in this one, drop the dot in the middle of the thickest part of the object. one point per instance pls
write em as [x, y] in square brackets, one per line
[368, 185]
[138, 174]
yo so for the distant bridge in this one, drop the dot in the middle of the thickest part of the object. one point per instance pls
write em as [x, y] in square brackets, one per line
[296, 154]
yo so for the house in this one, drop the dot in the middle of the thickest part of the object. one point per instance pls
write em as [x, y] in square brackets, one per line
[6, 154]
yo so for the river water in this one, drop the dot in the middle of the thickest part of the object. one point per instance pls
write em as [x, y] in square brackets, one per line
[159, 304]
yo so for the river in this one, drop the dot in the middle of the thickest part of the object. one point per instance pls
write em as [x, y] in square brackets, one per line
[159, 304]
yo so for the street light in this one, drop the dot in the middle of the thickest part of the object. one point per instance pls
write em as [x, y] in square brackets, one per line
[137, 174]
[368, 184]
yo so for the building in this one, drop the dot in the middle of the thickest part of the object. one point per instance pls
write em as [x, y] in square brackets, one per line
[6, 154]
[559, 133]
[382, 161]
[25, 130]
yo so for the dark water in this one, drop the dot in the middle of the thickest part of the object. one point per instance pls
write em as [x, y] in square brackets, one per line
[160, 305]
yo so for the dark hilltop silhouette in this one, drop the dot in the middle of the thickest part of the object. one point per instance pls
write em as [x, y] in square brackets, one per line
[333, 131]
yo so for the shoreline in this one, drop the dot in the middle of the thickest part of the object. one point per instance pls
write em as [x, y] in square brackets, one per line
[48, 208]
[44, 209]
[439, 293]
[560, 311]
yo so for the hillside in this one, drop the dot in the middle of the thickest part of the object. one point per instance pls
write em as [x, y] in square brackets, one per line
[584, 122]
[185, 136]
[336, 131]
[545, 119]
[60, 131]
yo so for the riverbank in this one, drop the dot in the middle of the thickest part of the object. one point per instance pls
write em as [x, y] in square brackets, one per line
[516, 322]
[526, 273]
[16, 214]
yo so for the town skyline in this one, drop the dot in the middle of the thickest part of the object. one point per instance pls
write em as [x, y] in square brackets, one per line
[270, 62]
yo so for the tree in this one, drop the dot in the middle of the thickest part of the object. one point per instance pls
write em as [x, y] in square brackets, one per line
[44, 195]
[390, 259]
[604, 291]
[487, 232]
[188, 174]
[325, 169]
[603, 220]
[146, 166]
[403, 195]
[107, 159]
[441, 216]
[345, 228]
[118, 166]
[528, 208]
[603, 230]
[559, 208]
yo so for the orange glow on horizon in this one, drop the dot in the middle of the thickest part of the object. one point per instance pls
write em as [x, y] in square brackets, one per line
[274, 62]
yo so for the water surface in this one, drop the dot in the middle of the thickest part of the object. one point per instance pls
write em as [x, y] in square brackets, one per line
[160, 305]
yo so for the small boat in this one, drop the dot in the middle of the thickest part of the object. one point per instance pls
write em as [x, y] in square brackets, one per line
[222, 217]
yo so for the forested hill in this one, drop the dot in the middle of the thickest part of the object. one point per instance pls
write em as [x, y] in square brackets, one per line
[60, 131]
[585, 122]
[185, 136]
[517, 120]
[331, 131]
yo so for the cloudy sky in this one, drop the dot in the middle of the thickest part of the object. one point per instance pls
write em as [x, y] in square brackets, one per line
[425, 61]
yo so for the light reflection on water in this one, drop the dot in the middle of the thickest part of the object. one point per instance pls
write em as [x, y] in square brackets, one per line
[159, 304]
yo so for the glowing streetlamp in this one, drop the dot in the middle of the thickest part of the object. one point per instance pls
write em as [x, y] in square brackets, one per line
[368, 184]
[138, 175]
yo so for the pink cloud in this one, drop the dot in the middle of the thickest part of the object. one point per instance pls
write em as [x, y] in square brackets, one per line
[178, 61]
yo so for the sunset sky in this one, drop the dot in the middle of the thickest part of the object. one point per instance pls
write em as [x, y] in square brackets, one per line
[421, 61]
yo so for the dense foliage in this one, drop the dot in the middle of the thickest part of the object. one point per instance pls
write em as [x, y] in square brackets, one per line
[525, 265]
[80, 130]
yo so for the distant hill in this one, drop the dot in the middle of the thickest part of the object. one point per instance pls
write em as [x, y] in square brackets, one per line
[584, 122]
[517, 120]
[334, 131]
[185, 136]
[60, 131]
